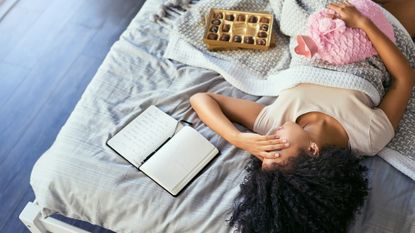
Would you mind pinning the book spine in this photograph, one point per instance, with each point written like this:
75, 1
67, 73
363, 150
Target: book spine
152, 153
195, 171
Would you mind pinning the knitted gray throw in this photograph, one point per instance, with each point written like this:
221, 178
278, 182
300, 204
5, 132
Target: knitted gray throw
269, 72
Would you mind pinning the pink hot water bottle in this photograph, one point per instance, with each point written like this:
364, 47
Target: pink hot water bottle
330, 40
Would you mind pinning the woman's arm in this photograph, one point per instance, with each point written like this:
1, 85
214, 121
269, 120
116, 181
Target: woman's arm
396, 99
218, 112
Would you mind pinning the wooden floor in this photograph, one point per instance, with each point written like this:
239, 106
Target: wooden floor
49, 51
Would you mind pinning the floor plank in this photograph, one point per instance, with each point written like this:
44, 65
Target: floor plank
49, 51
10, 221
45, 31
35, 5
5, 6
33, 93
11, 77
14, 27
90, 13
47, 122
109, 32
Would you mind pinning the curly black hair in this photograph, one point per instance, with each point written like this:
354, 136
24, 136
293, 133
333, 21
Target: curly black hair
317, 194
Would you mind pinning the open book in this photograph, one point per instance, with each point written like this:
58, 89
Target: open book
162, 148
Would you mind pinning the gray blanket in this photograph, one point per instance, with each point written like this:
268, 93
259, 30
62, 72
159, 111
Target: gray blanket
267, 73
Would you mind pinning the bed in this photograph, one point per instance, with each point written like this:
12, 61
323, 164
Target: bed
81, 178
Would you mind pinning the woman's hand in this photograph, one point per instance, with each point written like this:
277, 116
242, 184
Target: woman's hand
349, 14
261, 146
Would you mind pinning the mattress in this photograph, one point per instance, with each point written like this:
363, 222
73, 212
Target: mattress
80, 177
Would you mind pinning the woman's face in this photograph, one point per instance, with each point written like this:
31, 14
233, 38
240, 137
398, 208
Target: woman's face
299, 141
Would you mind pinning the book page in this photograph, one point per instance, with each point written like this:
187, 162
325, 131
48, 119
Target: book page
143, 135
179, 160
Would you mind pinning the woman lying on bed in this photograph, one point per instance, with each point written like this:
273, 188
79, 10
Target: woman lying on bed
306, 143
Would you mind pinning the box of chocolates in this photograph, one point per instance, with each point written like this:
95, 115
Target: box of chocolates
226, 29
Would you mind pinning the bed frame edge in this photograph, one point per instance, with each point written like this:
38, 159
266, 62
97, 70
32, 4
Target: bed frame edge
33, 220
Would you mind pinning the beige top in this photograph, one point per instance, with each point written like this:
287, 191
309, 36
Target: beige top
368, 128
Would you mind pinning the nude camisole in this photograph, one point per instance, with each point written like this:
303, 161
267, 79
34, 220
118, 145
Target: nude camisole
368, 127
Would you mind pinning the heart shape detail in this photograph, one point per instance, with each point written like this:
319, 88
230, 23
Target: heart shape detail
305, 46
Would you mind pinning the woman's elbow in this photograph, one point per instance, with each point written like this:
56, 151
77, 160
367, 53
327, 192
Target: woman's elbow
197, 98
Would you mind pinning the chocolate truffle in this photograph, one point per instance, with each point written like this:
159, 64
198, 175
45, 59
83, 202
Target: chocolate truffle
261, 42
262, 34
214, 29
249, 40
264, 20
237, 38
263, 27
225, 37
216, 22
229, 17
212, 36
218, 15
241, 18
252, 19
226, 28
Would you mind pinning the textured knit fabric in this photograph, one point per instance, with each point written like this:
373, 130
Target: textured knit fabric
368, 128
338, 44
258, 73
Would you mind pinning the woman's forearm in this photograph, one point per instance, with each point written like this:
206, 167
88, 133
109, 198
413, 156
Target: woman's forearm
211, 114
394, 60
218, 112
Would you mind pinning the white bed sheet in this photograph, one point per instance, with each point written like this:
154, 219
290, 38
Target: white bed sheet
80, 177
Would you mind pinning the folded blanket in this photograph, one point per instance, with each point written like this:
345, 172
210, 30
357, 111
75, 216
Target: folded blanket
269, 72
